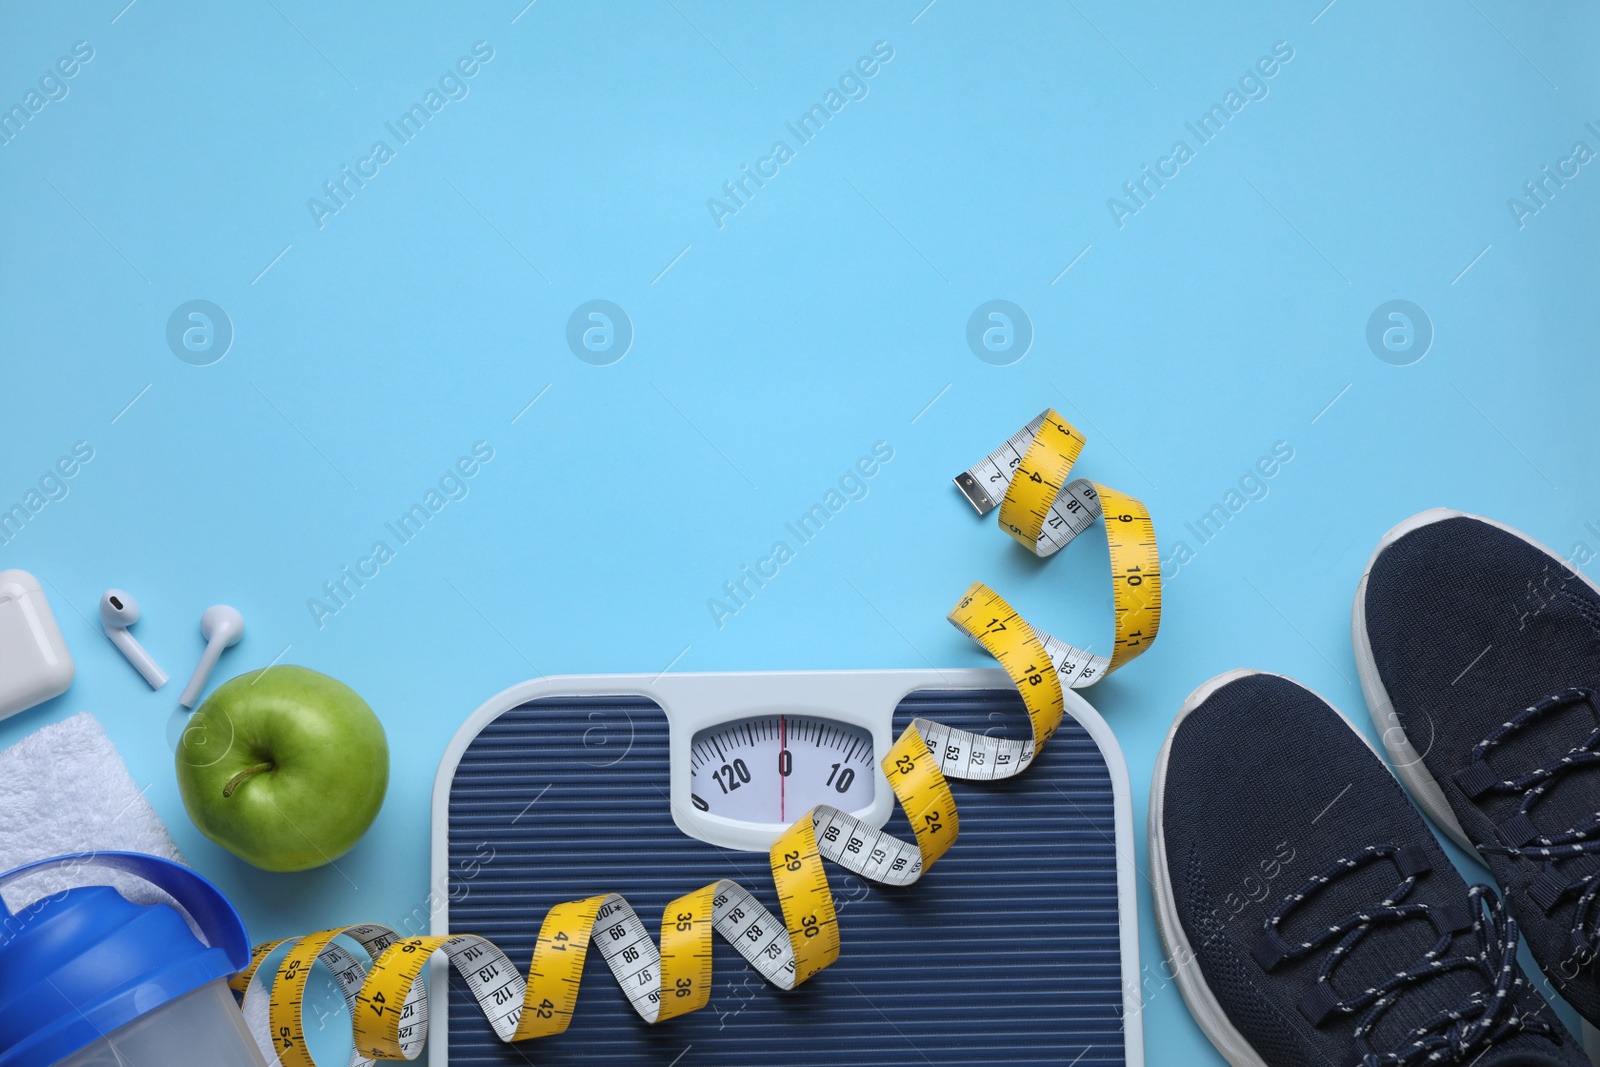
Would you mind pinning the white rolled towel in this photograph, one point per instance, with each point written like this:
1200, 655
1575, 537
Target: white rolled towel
65, 789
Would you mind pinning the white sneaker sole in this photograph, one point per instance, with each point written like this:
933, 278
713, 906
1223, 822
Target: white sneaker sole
1186, 973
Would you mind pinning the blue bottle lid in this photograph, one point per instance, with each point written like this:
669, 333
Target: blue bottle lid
78, 965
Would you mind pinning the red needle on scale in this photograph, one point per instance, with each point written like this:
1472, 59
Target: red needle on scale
783, 746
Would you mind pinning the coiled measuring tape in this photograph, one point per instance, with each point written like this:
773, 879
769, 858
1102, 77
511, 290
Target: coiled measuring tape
1044, 511
388, 1000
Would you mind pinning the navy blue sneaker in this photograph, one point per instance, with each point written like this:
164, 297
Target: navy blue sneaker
1479, 654
1309, 916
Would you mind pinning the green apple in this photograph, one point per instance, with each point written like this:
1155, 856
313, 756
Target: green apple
284, 767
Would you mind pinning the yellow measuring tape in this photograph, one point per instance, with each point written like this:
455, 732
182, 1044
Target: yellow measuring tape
1044, 511
388, 1000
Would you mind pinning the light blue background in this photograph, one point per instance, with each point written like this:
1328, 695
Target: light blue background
1226, 315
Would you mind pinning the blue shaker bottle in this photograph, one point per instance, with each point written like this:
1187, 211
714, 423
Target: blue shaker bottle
90, 979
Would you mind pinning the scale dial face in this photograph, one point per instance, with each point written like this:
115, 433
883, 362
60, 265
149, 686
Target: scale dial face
772, 769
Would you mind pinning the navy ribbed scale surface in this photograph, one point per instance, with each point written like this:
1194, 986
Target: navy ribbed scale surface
1006, 952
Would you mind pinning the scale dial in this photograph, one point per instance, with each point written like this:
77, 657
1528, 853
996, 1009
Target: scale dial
772, 769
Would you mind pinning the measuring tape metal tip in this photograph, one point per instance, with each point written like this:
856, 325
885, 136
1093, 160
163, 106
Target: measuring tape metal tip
972, 489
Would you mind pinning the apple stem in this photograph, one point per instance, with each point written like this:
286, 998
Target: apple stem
248, 772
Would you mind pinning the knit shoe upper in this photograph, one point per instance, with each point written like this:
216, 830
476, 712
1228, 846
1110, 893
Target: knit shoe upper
1487, 647
1308, 910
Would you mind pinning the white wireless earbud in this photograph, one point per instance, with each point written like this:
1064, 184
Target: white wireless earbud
118, 611
222, 627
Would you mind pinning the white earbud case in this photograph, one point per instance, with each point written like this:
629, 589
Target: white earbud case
34, 662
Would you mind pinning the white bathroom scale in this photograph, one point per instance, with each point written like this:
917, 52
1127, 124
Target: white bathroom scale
1020, 946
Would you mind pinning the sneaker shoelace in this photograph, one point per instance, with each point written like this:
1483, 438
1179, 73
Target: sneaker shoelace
1521, 837
1452, 1035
